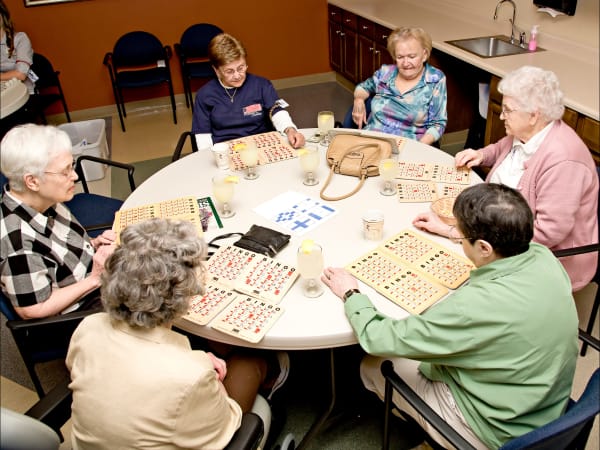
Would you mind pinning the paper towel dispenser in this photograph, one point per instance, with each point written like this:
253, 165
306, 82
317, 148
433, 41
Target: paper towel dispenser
564, 6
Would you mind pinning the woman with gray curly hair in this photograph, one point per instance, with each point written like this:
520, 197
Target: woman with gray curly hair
137, 383
546, 161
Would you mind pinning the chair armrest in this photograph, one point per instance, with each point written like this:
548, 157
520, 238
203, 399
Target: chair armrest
54, 408
248, 435
107, 61
589, 339
168, 51
128, 167
181, 143
50, 321
394, 382
576, 250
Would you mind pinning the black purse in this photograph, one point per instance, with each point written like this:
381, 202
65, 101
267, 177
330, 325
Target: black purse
258, 240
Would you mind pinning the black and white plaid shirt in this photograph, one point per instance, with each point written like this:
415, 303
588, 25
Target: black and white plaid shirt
40, 252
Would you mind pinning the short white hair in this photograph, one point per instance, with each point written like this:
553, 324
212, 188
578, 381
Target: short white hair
535, 90
29, 149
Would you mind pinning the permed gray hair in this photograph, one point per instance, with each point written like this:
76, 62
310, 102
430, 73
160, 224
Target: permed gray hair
534, 90
151, 276
28, 149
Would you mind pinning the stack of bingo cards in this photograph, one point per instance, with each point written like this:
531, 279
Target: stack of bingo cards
242, 294
411, 270
272, 147
425, 182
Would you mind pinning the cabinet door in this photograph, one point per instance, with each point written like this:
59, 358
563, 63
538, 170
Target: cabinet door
349, 54
366, 58
335, 46
494, 128
589, 131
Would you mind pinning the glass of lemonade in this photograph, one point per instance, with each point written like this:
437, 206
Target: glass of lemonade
249, 156
310, 266
325, 123
309, 161
222, 186
388, 169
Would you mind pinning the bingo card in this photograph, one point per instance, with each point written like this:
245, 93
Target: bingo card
183, 208
433, 172
451, 190
247, 318
251, 273
204, 308
417, 192
444, 266
272, 147
398, 282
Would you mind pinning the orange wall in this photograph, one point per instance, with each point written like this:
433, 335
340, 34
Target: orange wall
283, 39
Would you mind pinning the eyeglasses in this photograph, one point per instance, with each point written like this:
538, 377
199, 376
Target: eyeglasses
65, 173
231, 72
507, 111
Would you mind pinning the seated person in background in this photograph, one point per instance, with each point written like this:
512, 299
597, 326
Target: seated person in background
16, 54
544, 159
135, 382
237, 103
48, 262
409, 99
489, 363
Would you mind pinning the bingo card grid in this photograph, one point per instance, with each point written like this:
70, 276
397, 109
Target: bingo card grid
183, 208
417, 192
247, 318
272, 147
204, 308
433, 172
447, 268
397, 282
251, 273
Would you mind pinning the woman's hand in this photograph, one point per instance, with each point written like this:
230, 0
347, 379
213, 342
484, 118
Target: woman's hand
295, 138
359, 112
219, 365
430, 221
469, 158
338, 280
100, 257
108, 237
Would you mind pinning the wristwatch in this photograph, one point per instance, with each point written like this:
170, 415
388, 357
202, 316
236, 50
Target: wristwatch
350, 292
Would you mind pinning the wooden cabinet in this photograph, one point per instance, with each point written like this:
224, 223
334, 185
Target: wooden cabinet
343, 42
587, 128
372, 48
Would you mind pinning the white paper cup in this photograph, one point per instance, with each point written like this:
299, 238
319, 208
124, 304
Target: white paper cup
221, 154
373, 225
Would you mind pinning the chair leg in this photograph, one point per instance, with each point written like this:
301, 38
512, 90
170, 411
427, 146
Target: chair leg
386, 418
186, 88
591, 320
173, 106
120, 107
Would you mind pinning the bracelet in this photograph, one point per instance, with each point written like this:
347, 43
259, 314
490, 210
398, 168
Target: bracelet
350, 292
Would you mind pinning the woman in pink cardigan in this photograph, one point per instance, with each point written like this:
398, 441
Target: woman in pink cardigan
544, 159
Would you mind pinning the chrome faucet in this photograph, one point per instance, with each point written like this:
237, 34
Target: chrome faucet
512, 22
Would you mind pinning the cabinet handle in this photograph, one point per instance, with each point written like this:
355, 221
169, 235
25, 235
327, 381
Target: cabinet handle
337, 31
342, 34
364, 27
384, 36
333, 14
371, 49
377, 52
348, 20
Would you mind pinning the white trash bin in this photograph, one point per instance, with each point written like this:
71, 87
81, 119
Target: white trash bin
88, 137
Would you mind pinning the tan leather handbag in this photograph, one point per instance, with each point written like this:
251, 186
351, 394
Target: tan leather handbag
357, 156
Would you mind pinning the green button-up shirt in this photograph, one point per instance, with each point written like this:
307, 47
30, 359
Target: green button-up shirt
505, 343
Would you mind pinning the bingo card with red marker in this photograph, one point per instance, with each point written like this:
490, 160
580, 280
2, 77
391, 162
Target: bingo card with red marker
272, 147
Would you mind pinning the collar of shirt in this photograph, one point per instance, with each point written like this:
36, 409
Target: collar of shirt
529, 148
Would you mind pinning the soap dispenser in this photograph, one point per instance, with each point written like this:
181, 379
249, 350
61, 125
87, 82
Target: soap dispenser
533, 38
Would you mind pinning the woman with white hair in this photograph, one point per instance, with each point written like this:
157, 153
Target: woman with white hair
544, 159
48, 263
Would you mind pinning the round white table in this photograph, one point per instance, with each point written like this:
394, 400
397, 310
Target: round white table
307, 323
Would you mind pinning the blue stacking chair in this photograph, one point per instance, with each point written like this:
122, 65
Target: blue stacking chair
192, 51
138, 60
570, 431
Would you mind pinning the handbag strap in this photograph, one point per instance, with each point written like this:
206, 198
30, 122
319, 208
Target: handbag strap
361, 181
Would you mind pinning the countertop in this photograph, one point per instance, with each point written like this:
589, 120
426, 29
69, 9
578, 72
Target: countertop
576, 66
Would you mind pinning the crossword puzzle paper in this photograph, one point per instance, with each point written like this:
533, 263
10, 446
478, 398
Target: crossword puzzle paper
184, 208
417, 192
411, 270
433, 172
296, 212
272, 147
251, 273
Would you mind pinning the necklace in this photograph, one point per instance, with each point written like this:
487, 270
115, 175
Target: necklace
229, 95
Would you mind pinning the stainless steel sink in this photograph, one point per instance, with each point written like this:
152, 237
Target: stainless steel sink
490, 46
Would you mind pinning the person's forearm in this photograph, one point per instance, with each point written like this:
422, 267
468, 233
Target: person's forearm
10, 74
60, 299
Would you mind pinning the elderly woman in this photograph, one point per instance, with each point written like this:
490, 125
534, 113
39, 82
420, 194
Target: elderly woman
237, 103
48, 262
409, 98
135, 382
544, 159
